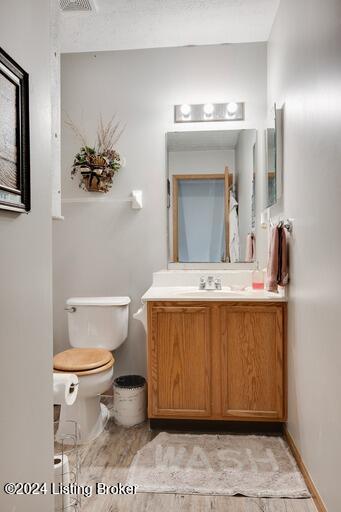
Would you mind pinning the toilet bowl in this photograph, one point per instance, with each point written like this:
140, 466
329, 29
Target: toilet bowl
97, 326
95, 372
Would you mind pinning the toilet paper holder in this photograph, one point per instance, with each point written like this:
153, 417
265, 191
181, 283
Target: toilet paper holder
67, 466
73, 387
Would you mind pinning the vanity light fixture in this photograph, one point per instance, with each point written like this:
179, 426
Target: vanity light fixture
185, 110
208, 112
208, 109
232, 108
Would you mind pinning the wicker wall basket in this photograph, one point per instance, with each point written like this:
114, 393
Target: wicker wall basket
96, 180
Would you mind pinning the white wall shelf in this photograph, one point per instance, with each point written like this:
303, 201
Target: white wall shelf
135, 200
85, 200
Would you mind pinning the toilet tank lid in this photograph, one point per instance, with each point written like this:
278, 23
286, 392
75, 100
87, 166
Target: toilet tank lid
98, 301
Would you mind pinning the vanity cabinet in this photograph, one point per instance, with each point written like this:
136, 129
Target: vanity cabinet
252, 362
180, 369
217, 360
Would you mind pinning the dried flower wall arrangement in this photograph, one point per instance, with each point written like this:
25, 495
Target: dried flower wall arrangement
97, 165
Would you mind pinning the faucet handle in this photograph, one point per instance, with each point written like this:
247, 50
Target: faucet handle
202, 283
217, 283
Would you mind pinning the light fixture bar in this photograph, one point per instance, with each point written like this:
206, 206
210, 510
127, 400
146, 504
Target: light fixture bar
208, 112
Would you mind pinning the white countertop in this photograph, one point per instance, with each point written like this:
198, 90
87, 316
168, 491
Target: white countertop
192, 293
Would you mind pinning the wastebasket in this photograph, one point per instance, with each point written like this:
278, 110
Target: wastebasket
129, 400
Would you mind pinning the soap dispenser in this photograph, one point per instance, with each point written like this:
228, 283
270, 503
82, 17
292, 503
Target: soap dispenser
258, 279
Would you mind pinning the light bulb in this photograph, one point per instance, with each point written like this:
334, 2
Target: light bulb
232, 108
208, 109
185, 110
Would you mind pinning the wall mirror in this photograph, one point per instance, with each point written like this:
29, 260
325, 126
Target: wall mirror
211, 196
274, 150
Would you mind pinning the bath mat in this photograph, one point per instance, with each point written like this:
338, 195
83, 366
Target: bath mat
253, 466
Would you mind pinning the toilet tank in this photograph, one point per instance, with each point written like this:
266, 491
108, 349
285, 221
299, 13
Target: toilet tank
97, 322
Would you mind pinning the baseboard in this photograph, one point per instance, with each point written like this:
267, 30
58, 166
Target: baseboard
310, 484
217, 426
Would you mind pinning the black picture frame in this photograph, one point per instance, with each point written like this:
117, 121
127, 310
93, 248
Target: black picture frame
15, 189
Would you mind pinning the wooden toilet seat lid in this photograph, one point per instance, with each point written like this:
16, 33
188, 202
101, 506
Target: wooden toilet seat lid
82, 359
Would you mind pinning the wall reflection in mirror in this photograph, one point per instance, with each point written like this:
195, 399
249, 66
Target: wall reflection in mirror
271, 167
211, 196
274, 158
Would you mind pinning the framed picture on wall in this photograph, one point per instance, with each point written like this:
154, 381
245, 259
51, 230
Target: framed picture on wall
14, 137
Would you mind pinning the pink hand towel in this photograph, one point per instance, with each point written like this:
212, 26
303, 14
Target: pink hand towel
277, 269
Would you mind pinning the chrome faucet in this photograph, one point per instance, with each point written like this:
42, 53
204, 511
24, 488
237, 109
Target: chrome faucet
210, 284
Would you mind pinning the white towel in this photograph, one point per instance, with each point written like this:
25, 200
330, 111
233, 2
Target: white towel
234, 230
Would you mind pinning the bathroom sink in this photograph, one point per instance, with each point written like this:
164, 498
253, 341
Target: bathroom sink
184, 286
191, 293
205, 294
225, 294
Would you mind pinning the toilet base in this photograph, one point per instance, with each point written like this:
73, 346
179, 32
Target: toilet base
91, 417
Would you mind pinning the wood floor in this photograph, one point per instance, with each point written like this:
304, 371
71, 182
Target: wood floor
108, 459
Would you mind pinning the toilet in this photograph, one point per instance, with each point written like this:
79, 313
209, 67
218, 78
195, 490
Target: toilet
97, 326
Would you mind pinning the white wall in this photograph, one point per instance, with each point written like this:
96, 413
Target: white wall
244, 170
305, 74
208, 161
109, 249
25, 262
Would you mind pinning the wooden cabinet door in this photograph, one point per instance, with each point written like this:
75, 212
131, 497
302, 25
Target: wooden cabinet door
252, 352
179, 361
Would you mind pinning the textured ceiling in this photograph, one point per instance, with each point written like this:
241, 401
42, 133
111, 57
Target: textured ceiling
132, 24
203, 141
